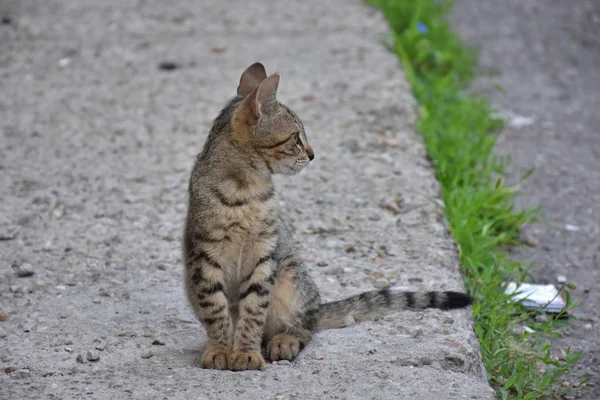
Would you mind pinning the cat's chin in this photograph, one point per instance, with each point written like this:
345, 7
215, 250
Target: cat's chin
287, 170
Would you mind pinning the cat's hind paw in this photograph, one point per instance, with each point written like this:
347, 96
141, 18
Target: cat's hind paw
283, 347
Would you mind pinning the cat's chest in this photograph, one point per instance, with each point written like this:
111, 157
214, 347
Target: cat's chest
246, 222
250, 234
241, 255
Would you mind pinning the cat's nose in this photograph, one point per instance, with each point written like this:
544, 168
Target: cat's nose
310, 153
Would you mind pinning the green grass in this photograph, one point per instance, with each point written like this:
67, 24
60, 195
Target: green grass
460, 132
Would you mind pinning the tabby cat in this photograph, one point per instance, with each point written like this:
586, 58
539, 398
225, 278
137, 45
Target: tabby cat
243, 277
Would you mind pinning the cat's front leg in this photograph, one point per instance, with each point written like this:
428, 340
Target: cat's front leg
255, 297
206, 284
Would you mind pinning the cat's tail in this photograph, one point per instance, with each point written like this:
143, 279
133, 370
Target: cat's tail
339, 314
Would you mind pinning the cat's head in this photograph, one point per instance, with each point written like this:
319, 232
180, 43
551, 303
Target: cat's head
268, 127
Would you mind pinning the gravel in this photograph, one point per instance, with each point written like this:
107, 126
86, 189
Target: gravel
90, 123
24, 270
92, 356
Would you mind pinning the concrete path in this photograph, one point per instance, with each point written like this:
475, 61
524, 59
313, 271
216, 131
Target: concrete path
97, 146
547, 54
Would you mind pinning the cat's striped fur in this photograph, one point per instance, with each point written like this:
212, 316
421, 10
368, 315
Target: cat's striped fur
243, 276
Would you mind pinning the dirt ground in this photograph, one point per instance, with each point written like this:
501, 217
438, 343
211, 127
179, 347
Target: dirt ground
104, 105
547, 55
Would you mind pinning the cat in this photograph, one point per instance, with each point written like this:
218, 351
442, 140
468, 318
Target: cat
243, 276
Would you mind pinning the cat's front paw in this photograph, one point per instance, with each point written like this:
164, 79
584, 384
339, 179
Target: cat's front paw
245, 360
215, 357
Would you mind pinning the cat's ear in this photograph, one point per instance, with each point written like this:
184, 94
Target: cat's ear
266, 95
262, 100
251, 78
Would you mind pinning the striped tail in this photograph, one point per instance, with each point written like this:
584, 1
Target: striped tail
339, 314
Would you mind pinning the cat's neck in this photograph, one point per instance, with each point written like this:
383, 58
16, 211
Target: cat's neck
245, 169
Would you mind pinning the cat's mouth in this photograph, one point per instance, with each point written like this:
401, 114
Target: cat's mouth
296, 167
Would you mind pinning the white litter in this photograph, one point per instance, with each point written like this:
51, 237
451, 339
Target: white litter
540, 297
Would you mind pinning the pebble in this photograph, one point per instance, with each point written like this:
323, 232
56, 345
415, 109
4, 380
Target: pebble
562, 355
93, 356
517, 330
382, 375
530, 241
392, 250
59, 211
381, 283
219, 48
541, 318
284, 362
9, 233
158, 343
426, 360
17, 289
392, 208
100, 347
333, 271
168, 66
278, 397
47, 246
587, 327
79, 358
561, 279
519, 121
8, 370
319, 357
147, 354
317, 227
416, 333
334, 243
3, 333
352, 145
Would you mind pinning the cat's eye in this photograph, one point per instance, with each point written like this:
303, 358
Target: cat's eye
297, 138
